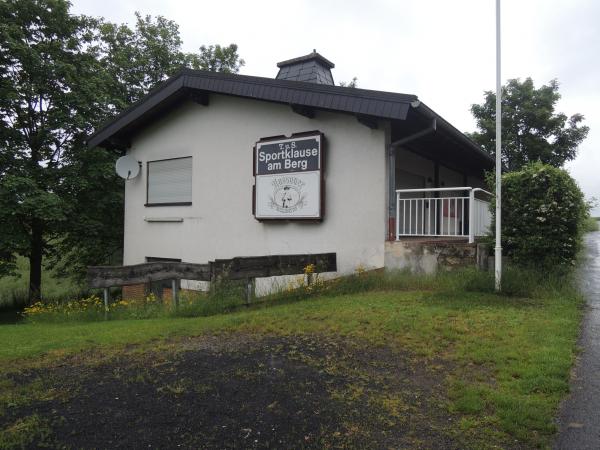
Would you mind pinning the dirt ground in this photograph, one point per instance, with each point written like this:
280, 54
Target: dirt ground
233, 391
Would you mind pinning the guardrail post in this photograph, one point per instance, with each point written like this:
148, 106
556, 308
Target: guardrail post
106, 292
249, 290
471, 216
175, 293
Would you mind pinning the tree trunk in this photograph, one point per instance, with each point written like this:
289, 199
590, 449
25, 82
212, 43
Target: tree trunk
35, 261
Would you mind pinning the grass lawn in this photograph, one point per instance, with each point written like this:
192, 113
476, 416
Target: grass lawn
500, 364
13, 289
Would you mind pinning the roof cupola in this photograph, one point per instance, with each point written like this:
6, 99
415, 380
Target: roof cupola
312, 68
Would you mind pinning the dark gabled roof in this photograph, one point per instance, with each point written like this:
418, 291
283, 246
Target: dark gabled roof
304, 98
386, 105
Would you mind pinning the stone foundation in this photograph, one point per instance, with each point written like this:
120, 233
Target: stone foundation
433, 255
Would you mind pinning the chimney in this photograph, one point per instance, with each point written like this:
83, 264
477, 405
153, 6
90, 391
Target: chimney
312, 68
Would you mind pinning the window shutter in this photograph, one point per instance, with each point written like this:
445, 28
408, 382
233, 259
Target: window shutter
170, 181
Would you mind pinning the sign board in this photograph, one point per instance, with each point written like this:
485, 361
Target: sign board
289, 177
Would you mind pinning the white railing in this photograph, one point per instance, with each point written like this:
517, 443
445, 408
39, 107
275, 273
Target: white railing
433, 212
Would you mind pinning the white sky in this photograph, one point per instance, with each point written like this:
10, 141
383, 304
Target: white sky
443, 51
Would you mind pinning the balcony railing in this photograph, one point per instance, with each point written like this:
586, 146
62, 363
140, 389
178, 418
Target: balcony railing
443, 212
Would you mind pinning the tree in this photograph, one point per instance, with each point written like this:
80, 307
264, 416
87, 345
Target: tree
134, 62
531, 129
60, 76
47, 79
350, 84
216, 59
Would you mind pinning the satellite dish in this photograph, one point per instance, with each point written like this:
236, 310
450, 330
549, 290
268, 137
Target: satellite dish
127, 167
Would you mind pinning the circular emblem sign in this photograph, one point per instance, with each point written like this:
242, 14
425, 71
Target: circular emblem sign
287, 194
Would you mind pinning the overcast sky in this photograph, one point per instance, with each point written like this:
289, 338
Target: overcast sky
443, 51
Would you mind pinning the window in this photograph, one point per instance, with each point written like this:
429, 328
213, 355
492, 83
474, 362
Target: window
170, 182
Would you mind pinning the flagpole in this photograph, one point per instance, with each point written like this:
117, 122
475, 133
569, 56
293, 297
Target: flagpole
498, 249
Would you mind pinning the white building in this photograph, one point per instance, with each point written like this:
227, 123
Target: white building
206, 190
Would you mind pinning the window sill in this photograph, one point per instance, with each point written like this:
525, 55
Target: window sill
163, 219
168, 204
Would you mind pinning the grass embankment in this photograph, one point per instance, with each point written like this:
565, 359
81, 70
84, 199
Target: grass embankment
13, 289
591, 224
505, 359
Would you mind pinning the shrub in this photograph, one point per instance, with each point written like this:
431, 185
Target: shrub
543, 214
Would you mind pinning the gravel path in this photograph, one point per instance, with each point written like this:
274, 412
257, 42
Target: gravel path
579, 419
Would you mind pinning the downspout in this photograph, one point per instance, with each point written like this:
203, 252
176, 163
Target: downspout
392, 169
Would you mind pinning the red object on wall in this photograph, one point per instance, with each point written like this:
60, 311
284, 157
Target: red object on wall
448, 207
392, 229
134, 292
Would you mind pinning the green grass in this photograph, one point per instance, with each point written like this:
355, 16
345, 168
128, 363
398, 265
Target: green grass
508, 356
13, 289
591, 224
25, 432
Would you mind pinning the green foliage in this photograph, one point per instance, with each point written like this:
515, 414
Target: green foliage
137, 60
531, 130
225, 298
228, 296
216, 59
28, 431
351, 84
543, 211
61, 75
13, 289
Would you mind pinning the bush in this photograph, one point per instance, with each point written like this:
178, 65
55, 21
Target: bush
543, 215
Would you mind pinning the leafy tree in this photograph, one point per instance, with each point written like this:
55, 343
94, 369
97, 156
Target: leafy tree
140, 58
60, 76
216, 59
350, 84
134, 61
531, 129
47, 81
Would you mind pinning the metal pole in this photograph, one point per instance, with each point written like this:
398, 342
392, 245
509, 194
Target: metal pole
498, 249
471, 216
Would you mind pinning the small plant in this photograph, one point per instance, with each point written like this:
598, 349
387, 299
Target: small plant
360, 269
309, 269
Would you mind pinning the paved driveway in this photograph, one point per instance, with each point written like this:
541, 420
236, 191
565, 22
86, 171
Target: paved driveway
579, 420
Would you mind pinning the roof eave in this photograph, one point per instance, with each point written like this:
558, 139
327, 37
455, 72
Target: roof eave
386, 105
422, 108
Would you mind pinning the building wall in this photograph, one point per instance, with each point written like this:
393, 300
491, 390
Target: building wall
409, 163
220, 223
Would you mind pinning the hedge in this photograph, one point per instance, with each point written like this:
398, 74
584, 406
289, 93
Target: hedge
543, 215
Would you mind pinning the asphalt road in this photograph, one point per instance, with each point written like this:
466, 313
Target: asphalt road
579, 419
